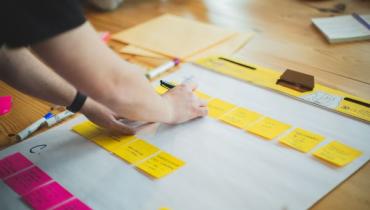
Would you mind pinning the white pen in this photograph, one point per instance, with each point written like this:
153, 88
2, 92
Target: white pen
59, 117
33, 127
161, 69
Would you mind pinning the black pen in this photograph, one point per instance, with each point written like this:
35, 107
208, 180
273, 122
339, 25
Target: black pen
167, 85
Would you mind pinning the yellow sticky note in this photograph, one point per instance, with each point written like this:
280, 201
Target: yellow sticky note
164, 208
337, 153
354, 109
135, 151
218, 107
202, 95
87, 129
160, 165
302, 140
110, 142
268, 128
161, 90
240, 117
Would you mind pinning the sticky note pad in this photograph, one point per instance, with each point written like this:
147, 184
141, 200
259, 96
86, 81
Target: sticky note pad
12, 164
161, 90
357, 110
218, 107
47, 196
337, 153
27, 180
5, 104
87, 129
240, 117
109, 142
135, 151
202, 95
302, 140
160, 165
74, 204
268, 128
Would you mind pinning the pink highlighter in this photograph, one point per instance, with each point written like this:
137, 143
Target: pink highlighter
5, 104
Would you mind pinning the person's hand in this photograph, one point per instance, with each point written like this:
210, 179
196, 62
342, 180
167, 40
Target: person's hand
183, 104
104, 117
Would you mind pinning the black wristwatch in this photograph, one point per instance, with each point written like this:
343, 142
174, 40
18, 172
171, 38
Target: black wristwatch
77, 103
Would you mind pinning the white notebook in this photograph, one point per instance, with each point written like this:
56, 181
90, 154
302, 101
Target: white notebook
344, 28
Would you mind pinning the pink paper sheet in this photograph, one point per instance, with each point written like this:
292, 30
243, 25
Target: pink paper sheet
5, 104
27, 180
12, 164
74, 204
47, 196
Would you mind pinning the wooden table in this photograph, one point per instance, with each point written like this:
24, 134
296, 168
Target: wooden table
284, 38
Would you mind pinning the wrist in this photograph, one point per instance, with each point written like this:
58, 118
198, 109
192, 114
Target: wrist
87, 107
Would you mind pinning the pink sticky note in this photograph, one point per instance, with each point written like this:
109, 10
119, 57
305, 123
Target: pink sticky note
47, 196
27, 180
5, 104
74, 204
12, 164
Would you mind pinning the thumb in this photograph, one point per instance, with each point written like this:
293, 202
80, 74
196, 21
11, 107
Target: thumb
120, 128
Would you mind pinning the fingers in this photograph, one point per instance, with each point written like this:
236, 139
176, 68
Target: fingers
120, 128
192, 86
201, 111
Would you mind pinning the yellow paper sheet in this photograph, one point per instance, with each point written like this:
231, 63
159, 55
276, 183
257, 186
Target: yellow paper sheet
337, 153
161, 90
226, 48
240, 117
354, 109
268, 128
160, 165
173, 36
302, 140
135, 151
110, 142
133, 50
202, 95
87, 129
218, 107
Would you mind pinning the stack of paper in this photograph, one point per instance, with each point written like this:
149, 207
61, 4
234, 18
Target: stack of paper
169, 36
344, 28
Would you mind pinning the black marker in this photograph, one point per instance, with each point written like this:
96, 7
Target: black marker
237, 63
357, 102
167, 85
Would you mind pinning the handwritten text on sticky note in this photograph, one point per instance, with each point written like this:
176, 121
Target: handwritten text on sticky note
27, 180
240, 117
160, 165
136, 151
302, 140
268, 128
47, 196
12, 164
337, 153
110, 142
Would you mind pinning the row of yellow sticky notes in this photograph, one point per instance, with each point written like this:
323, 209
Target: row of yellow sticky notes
133, 150
302, 140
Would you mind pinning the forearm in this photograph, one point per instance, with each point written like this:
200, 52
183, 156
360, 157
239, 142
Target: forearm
23, 71
81, 58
